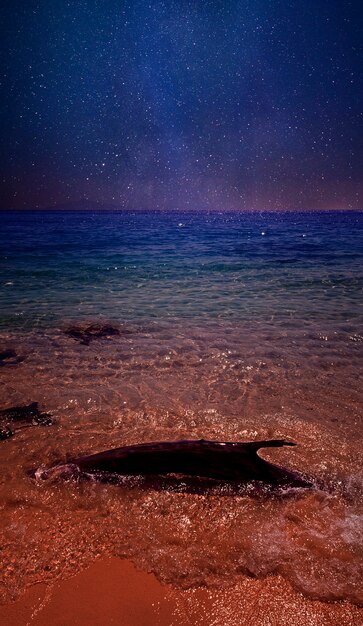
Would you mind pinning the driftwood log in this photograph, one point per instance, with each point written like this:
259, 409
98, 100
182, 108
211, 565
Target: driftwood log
226, 461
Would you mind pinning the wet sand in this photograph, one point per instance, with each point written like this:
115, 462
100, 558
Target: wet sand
69, 549
112, 591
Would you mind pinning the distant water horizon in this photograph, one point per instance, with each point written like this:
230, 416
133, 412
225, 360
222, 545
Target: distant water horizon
94, 206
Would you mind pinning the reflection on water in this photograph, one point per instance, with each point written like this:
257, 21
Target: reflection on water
225, 333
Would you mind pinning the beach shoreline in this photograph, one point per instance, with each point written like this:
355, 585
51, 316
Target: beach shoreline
113, 591
226, 328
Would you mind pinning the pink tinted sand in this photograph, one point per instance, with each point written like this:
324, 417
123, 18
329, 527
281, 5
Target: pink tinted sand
112, 591
220, 559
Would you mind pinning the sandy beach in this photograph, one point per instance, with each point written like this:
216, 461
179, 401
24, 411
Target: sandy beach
113, 591
68, 547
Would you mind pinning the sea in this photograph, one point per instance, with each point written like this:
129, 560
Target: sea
231, 326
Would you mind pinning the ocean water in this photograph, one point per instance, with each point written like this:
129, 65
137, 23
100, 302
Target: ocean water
151, 265
233, 327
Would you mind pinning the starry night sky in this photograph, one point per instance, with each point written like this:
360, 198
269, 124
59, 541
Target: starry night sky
189, 104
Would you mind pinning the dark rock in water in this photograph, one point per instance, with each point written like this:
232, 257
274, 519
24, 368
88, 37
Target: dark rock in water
10, 357
6, 355
25, 416
223, 461
87, 333
5, 433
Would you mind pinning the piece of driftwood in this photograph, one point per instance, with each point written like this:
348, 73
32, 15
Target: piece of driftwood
26, 415
226, 461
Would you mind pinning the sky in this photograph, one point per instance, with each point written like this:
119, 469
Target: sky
189, 104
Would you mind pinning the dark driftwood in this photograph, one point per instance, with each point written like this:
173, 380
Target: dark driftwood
227, 461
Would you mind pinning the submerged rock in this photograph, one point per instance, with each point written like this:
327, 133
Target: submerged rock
27, 413
5, 433
85, 333
25, 416
10, 357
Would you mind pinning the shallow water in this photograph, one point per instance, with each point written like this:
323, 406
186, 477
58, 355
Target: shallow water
225, 340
